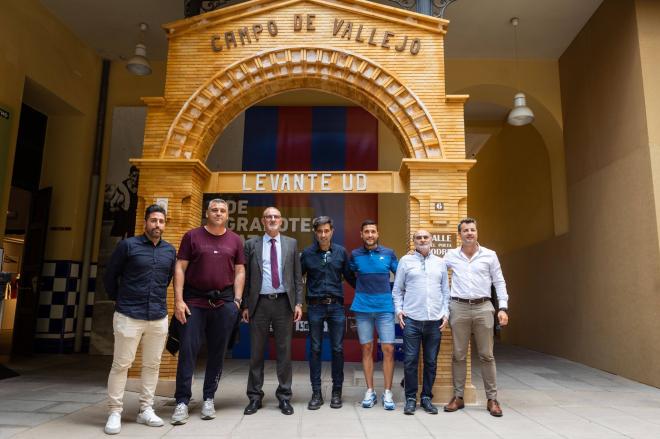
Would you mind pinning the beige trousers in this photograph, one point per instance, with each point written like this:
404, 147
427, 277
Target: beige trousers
128, 334
466, 320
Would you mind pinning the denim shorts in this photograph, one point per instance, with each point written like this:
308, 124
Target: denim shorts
383, 322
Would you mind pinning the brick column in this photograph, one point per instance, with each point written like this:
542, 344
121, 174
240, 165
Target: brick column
437, 201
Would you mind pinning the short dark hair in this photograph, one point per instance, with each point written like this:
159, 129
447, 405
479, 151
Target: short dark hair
368, 222
154, 208
322, 220
466, 221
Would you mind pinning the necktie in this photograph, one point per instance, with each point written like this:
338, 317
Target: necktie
274, 268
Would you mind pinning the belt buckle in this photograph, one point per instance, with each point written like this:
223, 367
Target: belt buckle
273, 296
326, 301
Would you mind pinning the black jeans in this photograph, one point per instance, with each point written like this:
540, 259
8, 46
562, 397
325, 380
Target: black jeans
336, 318
427, 333
216, 325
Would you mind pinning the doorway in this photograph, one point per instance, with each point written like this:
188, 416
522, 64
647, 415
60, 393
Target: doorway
24, 238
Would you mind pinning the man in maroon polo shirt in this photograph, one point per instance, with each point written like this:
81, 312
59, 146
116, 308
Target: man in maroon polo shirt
208, 289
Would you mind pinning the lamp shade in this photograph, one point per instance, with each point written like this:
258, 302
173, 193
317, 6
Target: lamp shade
139, 64
521, 113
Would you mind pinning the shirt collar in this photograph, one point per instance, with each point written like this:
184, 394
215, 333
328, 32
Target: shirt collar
420, 256
317, 247
267, 238
478, 252
145, 240
377, 249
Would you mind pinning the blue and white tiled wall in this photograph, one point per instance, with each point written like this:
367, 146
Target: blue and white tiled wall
58, 307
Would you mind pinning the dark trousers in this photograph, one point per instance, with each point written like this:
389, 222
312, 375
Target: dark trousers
427, 333
216, 325
336, 318
278, 313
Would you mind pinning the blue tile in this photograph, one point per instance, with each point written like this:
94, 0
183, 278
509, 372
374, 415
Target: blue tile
62, 268
43, 311
72, 284
59, 298
47, 283
55, 326
69, 311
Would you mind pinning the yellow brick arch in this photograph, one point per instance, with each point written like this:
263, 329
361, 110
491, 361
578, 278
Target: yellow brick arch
221, 98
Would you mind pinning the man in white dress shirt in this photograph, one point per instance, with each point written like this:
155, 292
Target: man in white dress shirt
421, 296
474, 269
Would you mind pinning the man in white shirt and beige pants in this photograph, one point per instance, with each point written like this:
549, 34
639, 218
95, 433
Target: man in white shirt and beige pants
475, 268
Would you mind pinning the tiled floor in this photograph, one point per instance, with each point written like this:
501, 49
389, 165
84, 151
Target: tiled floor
542, 397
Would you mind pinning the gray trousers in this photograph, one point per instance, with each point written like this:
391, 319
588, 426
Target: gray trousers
465, 320
277, 313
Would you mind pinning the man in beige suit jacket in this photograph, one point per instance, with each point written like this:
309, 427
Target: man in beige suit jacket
273, 296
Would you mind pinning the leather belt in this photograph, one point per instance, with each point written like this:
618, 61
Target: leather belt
328, 300
471, 301
272, 296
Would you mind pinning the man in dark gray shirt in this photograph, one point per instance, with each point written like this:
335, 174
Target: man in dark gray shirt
137, 276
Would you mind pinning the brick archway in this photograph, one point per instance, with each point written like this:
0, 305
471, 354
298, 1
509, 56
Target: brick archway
221, 98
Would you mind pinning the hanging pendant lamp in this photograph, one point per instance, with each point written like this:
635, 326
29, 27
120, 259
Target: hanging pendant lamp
139, 64
521, 113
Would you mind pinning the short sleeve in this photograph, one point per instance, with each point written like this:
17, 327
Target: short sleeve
185, 249
239, 251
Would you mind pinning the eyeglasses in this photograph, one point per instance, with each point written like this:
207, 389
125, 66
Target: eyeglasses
325, 258
272, 216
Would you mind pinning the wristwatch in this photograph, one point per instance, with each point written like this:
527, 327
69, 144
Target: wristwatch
506, 310
238, 301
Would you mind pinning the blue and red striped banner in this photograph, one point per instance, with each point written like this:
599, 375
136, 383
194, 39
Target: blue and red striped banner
312, 139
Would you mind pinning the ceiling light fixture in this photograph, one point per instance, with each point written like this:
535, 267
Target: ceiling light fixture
139, 64
521, 113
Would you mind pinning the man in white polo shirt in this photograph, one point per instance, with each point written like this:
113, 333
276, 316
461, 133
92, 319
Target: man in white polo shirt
475, 268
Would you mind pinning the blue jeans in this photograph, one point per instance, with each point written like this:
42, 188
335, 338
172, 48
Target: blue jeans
383, 322
336, 318
427, 333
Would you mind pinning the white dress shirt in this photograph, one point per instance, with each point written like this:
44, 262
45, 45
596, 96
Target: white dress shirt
472, 278
421, 287
266, 278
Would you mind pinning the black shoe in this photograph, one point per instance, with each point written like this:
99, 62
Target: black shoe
335, 401
285, 407
316, 402
428, 406
252, 407
411, 406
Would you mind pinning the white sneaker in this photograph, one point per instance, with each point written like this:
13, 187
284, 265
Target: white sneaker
180, 415
388, 402
148, 417
208, 409
113, 426
370, 399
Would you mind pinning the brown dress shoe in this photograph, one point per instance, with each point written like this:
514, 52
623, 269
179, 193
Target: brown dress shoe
494, 408
456, 403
